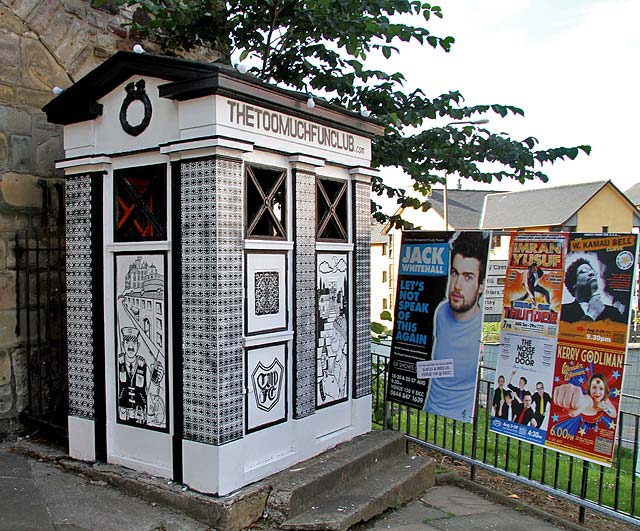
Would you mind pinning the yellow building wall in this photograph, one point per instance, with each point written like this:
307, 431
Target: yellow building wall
605, 209
536, 229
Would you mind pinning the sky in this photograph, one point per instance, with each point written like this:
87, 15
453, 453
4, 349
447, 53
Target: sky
571, 65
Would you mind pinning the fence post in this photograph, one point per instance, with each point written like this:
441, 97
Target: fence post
582, 514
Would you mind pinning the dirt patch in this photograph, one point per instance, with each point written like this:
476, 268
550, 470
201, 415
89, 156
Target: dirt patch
528, 495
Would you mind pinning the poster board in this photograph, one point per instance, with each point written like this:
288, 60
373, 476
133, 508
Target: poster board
438, 322
567, 349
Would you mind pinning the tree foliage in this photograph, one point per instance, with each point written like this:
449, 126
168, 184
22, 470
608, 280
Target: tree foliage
322, 46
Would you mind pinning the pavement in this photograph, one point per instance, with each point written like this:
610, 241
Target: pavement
37, 494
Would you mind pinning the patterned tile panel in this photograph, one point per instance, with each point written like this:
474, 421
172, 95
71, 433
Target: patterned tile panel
79, 300
362, 193
212, 298
305, 295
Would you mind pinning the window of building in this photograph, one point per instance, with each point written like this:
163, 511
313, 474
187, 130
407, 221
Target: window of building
605, 228
385, 304
158, 308
140, 204
331, 210
266, 192
384, 249
384, 276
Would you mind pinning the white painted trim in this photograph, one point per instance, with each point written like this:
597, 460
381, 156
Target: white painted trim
306, 160
189, 145
163, 245
329, 246
263, 339
142, 466
268, 245
84, 161
200, 468
82, 438
361, 170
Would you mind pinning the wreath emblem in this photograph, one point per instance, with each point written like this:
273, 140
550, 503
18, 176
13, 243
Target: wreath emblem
135, 92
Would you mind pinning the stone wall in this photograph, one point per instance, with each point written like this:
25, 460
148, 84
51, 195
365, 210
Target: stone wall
43, 44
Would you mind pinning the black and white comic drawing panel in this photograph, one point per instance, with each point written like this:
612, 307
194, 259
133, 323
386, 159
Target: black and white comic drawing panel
332, 347
141, 364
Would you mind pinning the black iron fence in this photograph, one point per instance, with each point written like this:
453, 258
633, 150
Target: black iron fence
609, 490
41, 326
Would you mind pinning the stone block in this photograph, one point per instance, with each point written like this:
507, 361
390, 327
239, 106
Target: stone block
10, 74
42, 15
85, 56
33, 98
20, 374
7, 94
117, 29
7, 293
6, 399
9, 49
14, 119
75, 40
4, 250
41, 123
5, 368
4, 151
10, 221
42, 71
20, 153
8, 321
11, 23
76, 7
25, 8
18, 190
48, 149
84, 65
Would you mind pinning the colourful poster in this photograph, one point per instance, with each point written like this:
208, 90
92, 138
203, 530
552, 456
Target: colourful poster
438, 322
563, 341
533, 284
592, 338
531, 308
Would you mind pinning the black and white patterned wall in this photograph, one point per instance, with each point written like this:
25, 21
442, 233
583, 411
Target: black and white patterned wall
79, 300
362, 194
212, 297
305, 290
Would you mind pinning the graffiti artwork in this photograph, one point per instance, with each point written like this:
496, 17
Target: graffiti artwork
140, 333
332, 348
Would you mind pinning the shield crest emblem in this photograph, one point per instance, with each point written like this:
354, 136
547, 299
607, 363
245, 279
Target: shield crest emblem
267, 384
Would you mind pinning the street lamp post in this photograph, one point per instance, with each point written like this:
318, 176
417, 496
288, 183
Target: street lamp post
446, 191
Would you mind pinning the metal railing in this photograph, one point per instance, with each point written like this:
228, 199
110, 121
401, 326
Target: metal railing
609, 490
41, 325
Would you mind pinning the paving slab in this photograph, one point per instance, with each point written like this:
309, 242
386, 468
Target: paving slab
457, 501
411, 517
503, 520
93, 506
40, 496
451, 508
21, 505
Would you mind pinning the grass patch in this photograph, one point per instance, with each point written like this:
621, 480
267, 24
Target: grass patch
613, 487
